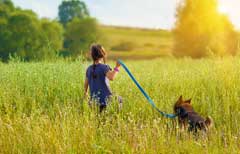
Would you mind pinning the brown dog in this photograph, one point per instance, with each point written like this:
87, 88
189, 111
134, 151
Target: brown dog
187, 116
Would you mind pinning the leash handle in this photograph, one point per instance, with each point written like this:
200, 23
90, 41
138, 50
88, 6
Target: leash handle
150, 101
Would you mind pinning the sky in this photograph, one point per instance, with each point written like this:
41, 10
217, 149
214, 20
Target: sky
134, 13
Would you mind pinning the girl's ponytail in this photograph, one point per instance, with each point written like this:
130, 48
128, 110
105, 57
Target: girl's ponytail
94, 75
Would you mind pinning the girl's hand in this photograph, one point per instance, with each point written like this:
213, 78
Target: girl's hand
118, 64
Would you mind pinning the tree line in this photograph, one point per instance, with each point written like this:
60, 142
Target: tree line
200, 30
25, 35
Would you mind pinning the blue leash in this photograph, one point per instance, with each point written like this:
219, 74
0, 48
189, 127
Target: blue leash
144, 93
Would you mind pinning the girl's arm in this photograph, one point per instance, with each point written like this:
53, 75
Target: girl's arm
86, 88
112, 74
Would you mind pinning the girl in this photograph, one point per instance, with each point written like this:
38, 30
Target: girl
97, 77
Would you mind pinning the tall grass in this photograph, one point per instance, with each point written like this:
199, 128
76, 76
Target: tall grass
42, 110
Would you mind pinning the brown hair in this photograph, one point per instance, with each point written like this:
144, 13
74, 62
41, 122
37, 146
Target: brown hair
97, 52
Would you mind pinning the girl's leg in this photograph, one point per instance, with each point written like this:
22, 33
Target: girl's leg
108, 100
102, 108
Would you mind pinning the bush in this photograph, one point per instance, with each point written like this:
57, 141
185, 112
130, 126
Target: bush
124, 46
80, 34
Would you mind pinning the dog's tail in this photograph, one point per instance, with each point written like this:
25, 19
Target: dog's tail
209, 122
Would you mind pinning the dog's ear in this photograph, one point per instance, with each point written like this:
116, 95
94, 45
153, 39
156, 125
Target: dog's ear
188, 101
180, 99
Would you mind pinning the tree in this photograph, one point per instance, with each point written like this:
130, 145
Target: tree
52, 38
200, 29
72, 9
6, 7
24, 35
80, 33
7, 3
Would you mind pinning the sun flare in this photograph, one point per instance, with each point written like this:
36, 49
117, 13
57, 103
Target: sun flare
231, 9
223, 9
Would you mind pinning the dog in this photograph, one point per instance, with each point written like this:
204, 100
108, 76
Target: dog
187, 116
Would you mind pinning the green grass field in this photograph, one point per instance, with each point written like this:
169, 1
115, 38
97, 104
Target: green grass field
135, 43
42, 111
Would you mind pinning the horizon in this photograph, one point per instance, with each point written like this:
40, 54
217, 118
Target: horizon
154, 14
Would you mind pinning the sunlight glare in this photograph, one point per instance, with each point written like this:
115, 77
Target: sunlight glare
222, 9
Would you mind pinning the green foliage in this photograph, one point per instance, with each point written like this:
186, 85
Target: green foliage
26, 36
80, 34
7, 3
71, 9
200, 29
6, 6
80, 29
23, 34
52, 37
42, 110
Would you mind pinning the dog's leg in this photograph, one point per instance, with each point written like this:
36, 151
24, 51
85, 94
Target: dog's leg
181, 124
185, 124
190, 128
203, 126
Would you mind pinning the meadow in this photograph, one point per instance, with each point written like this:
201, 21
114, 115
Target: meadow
136, 43
42, 109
